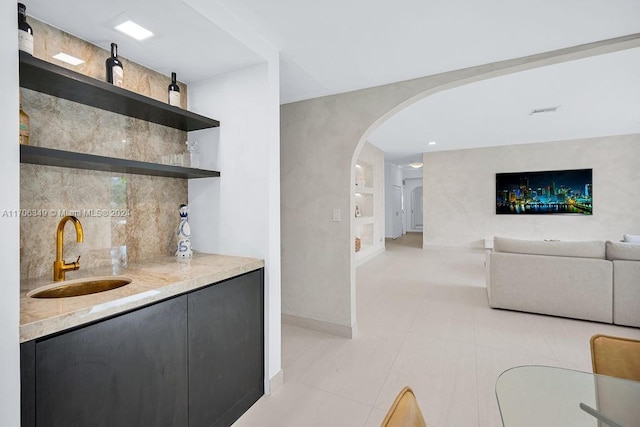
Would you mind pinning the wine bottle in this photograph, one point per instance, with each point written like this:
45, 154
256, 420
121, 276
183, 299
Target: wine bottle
174, 91
115, 72
24, 126
25, 32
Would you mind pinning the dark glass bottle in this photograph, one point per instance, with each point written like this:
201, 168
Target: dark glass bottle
25, 32
115, 71
174, 91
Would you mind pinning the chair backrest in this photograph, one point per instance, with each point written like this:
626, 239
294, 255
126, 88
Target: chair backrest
404, 411
616, 357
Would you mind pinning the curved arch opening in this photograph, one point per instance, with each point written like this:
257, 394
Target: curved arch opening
511, 75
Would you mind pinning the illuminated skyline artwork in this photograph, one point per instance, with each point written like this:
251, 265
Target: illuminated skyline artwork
545, 192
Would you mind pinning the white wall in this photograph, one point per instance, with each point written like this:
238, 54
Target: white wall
392, 177
9, 227
238, 213
459, 192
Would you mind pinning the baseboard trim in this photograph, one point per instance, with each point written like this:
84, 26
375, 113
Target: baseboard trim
320, 326
274, 383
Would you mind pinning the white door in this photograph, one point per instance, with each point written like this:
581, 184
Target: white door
397, 212
416, 208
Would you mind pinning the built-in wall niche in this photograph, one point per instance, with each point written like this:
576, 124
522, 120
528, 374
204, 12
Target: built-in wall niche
364, 218
365, 233
364, 175
368, 200
364, 204
89, 139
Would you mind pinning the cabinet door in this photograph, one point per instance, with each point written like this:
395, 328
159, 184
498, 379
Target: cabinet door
130, 370
28, 384
226, 368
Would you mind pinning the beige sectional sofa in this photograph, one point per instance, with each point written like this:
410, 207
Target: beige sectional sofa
590, 280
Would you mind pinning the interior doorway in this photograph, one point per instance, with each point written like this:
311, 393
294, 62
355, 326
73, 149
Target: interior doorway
414, 217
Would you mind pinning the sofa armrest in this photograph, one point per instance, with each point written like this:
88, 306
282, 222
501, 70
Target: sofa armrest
626, 293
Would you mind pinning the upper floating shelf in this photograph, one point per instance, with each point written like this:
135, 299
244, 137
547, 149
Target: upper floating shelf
42, 76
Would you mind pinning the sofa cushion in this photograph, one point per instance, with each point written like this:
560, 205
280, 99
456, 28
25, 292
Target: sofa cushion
590, 249
575, 287
623, 251
632, 238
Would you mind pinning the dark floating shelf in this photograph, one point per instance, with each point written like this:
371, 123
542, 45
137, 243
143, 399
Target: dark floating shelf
67, 159
45, 77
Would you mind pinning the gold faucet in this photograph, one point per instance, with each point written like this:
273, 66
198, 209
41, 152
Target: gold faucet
59, 266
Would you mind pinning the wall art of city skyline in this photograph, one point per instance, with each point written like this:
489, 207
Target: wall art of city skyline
545, 192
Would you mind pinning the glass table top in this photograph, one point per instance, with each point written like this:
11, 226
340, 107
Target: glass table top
550, 396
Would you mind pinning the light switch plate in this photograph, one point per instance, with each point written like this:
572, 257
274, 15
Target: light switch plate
336, 215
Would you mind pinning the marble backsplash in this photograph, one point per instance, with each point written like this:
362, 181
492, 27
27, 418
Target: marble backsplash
66, 125
125, 217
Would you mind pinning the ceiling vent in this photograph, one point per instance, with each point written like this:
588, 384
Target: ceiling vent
544, 110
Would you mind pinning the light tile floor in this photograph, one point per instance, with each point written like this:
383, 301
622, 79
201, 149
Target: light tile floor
424, 321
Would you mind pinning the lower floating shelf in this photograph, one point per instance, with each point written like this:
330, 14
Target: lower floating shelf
68, 159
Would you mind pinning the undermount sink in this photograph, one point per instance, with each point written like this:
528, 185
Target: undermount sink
78, 287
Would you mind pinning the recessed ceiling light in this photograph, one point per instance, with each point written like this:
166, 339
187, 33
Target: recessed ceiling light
134, 30
432, 143
68, 59
415, 165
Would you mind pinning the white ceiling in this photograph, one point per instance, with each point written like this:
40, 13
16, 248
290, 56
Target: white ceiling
335, 46
596, 96
184, 41
353, 44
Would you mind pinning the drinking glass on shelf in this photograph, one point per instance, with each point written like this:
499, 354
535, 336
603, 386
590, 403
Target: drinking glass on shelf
194, 155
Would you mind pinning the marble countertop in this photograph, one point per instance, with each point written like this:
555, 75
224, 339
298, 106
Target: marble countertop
152, 280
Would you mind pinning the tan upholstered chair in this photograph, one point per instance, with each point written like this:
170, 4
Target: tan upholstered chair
404, 412
616, 357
